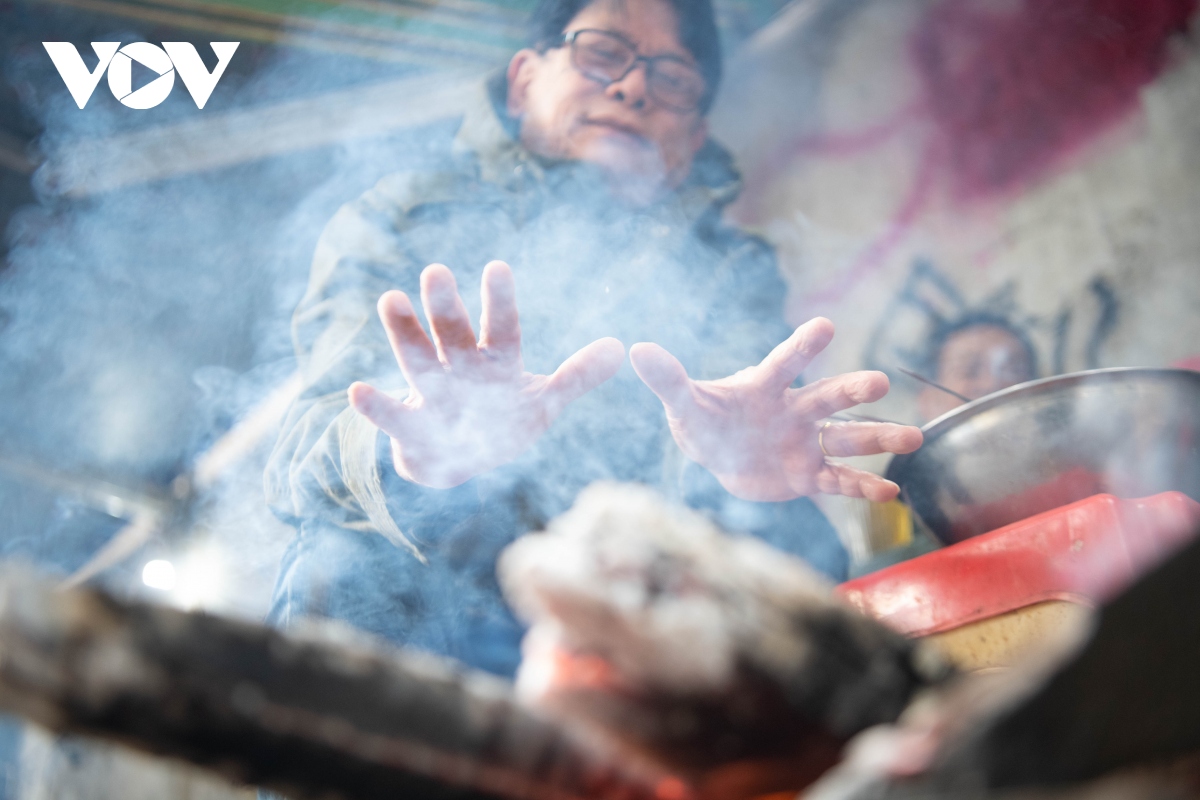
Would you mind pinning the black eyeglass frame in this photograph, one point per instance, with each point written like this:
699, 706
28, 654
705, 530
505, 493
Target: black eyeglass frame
568, 39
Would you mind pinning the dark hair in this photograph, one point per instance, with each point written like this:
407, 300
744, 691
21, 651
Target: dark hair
974, 319
697, 32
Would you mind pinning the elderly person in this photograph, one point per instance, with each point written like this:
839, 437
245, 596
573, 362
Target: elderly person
583, 191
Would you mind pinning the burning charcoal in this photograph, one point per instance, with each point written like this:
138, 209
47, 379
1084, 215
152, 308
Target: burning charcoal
309, 716
696, 649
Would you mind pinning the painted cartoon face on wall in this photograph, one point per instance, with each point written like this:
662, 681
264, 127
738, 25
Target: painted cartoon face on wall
974, 362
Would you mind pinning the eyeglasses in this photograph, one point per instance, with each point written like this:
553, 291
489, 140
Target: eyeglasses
607, 57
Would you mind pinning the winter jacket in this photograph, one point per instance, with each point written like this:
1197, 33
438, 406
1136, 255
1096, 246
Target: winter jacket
417, 565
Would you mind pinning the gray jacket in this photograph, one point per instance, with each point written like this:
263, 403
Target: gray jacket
417, 565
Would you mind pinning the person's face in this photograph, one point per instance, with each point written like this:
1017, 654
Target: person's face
974, 362
644, 147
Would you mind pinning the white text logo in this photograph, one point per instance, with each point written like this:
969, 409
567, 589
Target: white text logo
164, 61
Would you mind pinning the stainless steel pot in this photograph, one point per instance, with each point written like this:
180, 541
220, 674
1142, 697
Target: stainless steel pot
1130, 432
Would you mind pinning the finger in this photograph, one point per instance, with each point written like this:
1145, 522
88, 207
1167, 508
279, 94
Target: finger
785, 363
499, 326
877, 489
831, 395
845, 439
839, 479
385, 412
851, 482
663, 374
582, 372
448, 320
414, 352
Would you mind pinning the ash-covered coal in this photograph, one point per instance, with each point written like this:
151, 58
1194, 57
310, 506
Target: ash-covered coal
698, 648
310, 715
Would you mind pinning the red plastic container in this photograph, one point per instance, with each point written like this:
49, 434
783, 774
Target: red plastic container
1083, 552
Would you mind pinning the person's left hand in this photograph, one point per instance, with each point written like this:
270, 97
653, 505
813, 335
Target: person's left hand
759, 436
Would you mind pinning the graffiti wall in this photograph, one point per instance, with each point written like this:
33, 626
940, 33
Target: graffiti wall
1031, 162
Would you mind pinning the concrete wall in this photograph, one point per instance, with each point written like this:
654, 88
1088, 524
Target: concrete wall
1098, 257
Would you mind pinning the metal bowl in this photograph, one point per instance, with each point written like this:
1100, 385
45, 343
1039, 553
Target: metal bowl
1130, 432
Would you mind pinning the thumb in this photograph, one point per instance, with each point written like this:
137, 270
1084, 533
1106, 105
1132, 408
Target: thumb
385, 412
663, 374
582, 372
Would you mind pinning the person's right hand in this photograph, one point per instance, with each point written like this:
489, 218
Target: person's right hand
471, 405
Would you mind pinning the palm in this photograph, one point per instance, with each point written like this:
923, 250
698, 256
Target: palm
751, 460
471, 405
440, 440
761, 438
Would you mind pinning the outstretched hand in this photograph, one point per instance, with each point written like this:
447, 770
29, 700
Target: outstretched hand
471, 405
759, 436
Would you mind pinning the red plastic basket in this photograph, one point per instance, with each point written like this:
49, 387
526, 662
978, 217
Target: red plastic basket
1083, 552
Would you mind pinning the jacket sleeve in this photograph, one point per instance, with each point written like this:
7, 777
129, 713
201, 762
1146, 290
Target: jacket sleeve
326, 465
